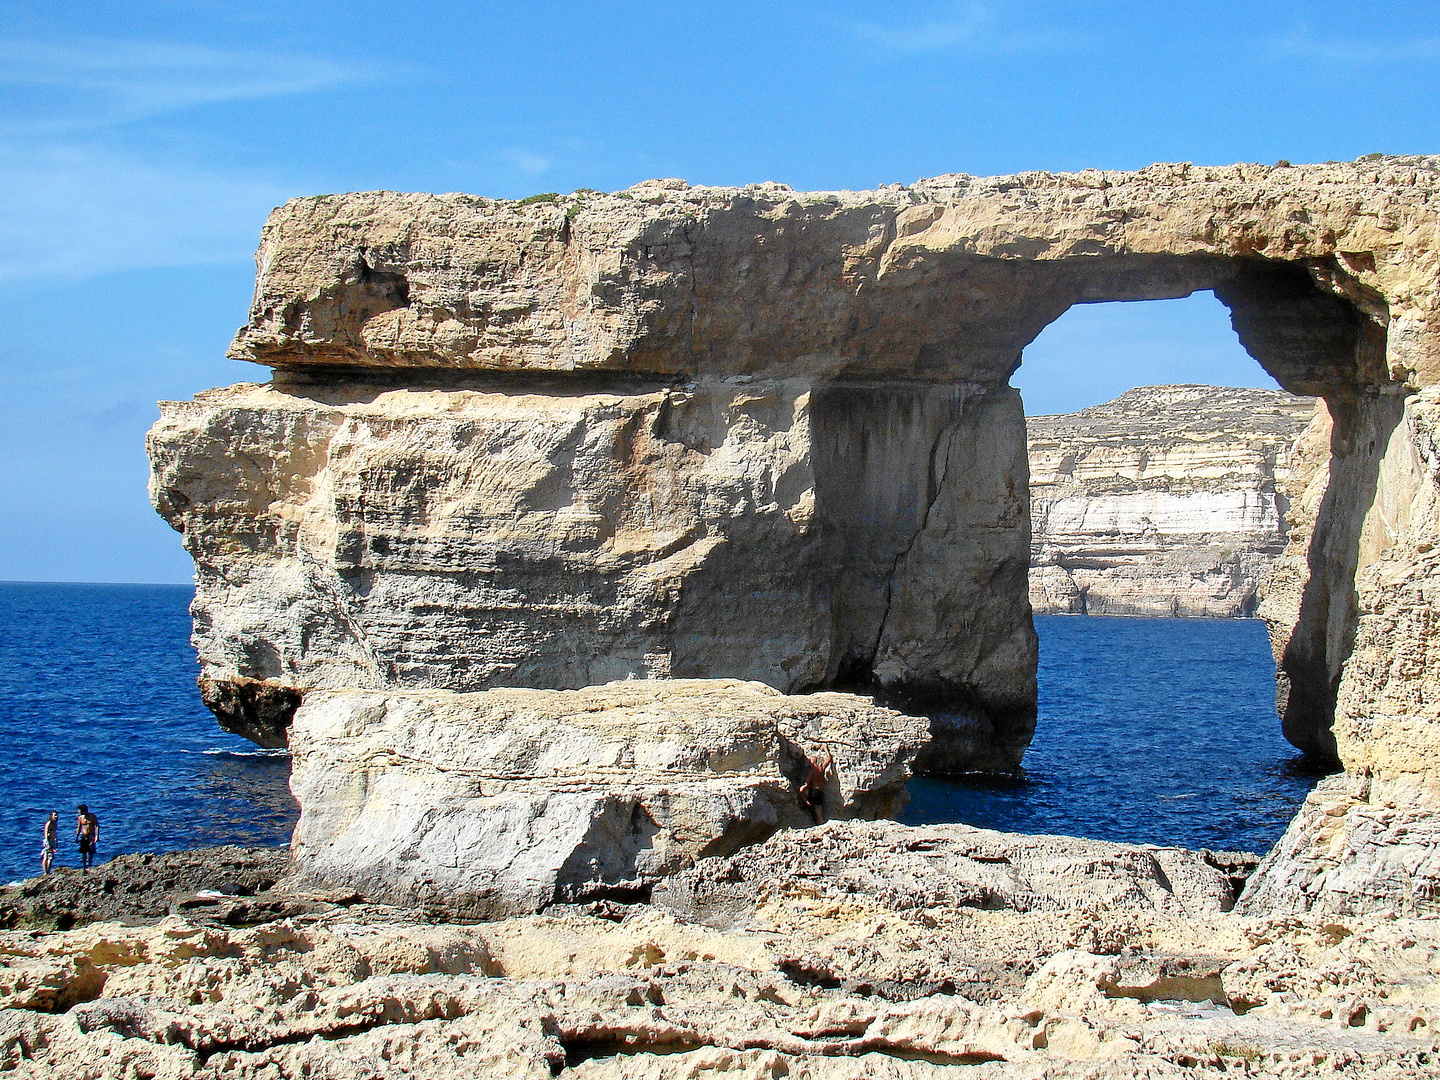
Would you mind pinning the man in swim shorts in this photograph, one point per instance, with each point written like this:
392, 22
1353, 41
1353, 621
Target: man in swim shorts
87, 835
47, 846
812, 791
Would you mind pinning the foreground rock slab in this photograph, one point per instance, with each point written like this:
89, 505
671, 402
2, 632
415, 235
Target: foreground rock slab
914, 868
505, 802
823, 983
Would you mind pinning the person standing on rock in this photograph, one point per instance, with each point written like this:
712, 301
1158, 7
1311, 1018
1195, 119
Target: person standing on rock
48, 845
812, 791
87, 835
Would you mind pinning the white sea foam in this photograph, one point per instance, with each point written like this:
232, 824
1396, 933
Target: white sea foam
220, 751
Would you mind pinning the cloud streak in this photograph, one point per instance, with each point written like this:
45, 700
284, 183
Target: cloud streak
73, 211
78, 197
970, 27
1354, 51
90, 84
526, 162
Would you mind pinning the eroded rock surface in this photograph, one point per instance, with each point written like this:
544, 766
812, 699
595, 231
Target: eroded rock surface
944, 280
916, 867
508, 801
821, 982
561, 536
1169, 500
1369, 840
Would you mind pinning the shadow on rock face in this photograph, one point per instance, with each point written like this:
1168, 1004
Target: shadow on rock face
255, 709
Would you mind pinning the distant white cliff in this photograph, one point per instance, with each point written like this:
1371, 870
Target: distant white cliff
1168, 500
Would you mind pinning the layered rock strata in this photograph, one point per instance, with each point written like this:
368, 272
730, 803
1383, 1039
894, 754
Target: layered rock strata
689, 328
562, 535
1169, 500
1371, 840
508, 801
1114, 977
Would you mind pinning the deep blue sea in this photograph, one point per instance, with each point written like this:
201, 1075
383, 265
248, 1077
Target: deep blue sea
1159, 731
1151, 730
98, 705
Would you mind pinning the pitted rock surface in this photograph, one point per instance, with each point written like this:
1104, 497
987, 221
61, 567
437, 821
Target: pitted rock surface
508, 801
820, 984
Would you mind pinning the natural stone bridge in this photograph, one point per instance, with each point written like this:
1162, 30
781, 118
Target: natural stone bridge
762, 434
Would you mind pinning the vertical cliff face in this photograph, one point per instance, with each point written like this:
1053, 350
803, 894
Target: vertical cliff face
1169, 500
560, 535
768, 434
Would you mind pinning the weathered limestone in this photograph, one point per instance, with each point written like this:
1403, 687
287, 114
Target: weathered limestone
508, 801
564, 536
822, 982
877, 331
954, 866
1371, 840
670, 279
1169, 500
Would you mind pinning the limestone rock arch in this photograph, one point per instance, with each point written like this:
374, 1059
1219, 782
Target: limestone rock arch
758, 433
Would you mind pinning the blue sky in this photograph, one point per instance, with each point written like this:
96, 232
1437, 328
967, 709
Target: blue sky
142, 143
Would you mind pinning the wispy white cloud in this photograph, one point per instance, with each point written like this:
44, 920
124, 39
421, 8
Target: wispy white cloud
526, 161
1358, 51
961, 27
73, 211
78, 196
85, 84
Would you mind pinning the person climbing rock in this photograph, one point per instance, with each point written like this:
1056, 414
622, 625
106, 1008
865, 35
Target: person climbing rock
51, 839
812, 791
87, 835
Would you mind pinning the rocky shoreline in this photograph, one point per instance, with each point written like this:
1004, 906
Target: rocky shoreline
855, 949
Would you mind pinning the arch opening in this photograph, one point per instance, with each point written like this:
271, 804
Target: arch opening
1171, 720
913, 477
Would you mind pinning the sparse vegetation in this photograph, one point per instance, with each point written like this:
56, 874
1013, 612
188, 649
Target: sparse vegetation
1242, 1051
579, 195
543, 197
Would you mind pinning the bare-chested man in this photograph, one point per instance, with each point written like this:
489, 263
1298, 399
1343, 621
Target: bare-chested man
812, 791
87, 835
48, 844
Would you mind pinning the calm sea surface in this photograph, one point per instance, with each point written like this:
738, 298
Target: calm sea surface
98, 705
1157, 730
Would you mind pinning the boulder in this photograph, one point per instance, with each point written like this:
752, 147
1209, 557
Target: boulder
504, 802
